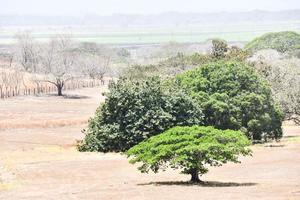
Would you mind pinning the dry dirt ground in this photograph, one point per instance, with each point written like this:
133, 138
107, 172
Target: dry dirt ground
38, 160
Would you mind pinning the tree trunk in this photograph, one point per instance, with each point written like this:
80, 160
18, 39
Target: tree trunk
59, 90
195, 176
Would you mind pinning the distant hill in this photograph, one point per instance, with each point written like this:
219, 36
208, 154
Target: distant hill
172, 19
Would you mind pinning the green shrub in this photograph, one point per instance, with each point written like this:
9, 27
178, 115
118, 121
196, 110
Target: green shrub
141, 71
136, 110
190, 149
219, 48
281, 41
236, 54
233, 96
197, 59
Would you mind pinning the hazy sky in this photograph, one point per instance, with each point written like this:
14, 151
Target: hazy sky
108, 7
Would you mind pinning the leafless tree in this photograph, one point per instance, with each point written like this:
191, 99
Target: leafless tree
2, 82
95, 60
57, 62
283, 74
95, 66
10, 81
7, 58
27, 52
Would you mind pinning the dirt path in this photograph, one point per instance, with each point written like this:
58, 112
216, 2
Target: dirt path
38, 160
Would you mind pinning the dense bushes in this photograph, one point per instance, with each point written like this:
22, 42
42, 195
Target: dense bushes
190, 149
281, 41
226, 95
233, 96
136, 110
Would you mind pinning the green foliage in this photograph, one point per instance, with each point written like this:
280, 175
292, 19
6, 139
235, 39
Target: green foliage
281, 41
138, 72
168, 67
197, 59
219, 48
136, 110
236, 54
233, 96
190, 149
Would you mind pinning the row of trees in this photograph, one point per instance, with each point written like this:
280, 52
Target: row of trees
10, 80
56, 61
179, 62
61, 59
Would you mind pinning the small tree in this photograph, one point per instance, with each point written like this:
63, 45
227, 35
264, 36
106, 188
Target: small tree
27, 52
219, 48
57, 62
190, 149
95, 66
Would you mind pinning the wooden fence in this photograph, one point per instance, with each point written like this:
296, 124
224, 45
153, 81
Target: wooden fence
47, 88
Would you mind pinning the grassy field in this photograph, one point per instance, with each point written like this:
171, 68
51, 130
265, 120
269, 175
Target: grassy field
38, 160
137, 35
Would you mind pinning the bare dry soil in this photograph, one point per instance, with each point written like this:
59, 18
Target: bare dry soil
38, 160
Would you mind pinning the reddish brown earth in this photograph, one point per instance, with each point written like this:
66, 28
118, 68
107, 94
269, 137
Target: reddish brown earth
38, 160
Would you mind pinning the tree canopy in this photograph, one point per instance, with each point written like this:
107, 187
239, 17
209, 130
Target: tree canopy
233, 96
190, 149
280, 41
135, 110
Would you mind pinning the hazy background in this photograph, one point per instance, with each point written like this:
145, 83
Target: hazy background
147, 22
108, 7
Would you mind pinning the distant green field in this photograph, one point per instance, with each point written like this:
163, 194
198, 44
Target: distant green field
199, 33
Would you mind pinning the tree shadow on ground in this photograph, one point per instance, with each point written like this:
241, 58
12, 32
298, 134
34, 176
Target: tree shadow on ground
75, 97
291, 136
65, 96
200, 184
274, 145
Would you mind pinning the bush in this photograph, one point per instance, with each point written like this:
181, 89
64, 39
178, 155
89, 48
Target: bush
136, 110
219, 48
190, 149
139, 72
281, 41
233, 96
199, 59
236, 54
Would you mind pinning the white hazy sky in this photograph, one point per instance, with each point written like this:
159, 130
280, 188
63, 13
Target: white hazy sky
108, 7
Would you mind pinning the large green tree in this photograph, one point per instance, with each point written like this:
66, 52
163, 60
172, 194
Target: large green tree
190, 149
136, 110
233, 96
